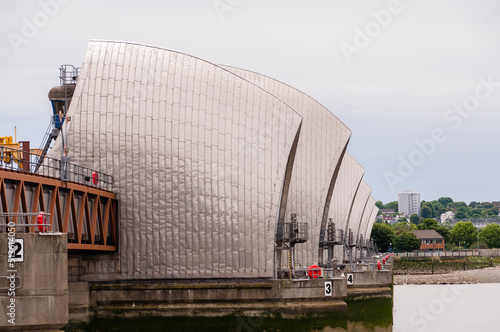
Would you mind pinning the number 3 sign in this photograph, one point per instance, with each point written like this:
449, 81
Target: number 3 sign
328, 288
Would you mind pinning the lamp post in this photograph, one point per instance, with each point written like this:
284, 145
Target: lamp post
478, 243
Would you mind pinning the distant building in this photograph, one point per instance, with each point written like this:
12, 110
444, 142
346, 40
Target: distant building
387, 215
448, 215
430, 240
409, 202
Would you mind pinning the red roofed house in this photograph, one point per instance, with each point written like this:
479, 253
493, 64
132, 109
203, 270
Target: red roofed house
430, 240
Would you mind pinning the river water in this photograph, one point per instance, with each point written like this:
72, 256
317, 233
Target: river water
427, 308
414, 308
369, 315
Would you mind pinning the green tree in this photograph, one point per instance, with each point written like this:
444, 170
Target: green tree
445, 201
445, 233
447, 224
392, 205
476, 213
492, 211
464, 231
459, 204
382, 235
491, 235
406, 241
461, 212
428, 223
403, 226
415, 219
426, 211
380, 205
437, 209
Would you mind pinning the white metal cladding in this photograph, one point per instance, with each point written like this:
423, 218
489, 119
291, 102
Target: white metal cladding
198, 156
322, 142
373, 216
356, 216
348, 180
365, 219
358, 207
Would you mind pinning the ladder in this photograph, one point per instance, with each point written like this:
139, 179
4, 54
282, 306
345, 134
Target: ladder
50, 135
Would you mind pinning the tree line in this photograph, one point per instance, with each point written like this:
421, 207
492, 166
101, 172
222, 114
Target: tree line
434, 209
462, 235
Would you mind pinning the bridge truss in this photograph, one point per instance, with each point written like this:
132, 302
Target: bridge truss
87, 214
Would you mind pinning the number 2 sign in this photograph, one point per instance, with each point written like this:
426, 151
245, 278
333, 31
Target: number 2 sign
17, 255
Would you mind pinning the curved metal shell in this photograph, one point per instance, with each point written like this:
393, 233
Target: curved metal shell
321, 147
369, 227
348, 181
199, 157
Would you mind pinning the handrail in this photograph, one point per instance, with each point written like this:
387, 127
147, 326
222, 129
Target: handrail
459, 253
9, 277
24, 161
28, 216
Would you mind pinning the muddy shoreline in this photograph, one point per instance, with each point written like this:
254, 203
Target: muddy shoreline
485, 275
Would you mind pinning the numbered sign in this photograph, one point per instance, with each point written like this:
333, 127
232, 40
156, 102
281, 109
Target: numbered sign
17, 255
350, 279
328, 288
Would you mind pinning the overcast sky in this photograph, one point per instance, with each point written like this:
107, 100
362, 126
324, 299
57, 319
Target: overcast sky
417, 82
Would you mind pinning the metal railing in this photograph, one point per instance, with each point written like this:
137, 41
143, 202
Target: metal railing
365, 264
69, 74
17, 285
460, 253
303, 274
292, 232
24, 161
29, 225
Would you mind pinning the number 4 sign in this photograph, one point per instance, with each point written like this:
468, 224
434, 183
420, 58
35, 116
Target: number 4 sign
328, 288
17, 255
350, 279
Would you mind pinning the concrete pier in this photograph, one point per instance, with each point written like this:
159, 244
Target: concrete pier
365, 280
206, 298
38, 299
224, 297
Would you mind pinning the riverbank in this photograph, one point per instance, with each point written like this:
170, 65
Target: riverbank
485, 275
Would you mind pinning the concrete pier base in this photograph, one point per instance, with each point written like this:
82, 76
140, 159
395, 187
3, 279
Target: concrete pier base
39, 300
284, 309
370, 278
366, 281
288, 298
363, 292
208, 298
78, 302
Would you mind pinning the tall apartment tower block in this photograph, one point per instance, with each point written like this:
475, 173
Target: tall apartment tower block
409, 202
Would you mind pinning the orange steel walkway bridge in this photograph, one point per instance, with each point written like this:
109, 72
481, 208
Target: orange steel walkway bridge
74, 200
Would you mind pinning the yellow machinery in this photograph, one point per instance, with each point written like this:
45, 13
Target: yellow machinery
9, 150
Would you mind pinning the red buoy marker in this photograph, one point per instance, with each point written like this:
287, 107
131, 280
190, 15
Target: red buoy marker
40, 220
95, 178
313, 271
